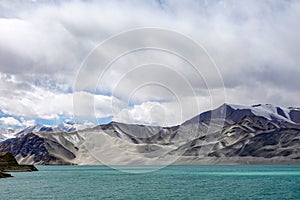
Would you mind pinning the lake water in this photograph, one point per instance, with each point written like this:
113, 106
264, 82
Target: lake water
173, 182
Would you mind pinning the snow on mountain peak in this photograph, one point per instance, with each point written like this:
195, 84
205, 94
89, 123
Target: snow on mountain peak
12, 133
267, 111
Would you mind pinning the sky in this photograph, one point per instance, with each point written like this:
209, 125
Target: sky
253, 44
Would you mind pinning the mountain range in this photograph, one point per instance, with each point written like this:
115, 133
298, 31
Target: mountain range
229, 134
12, 133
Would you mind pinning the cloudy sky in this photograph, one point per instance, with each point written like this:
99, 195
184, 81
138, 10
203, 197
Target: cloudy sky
255, 46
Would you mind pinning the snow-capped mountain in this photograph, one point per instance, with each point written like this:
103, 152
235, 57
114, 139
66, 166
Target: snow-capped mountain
271, 112
13, 133
233, 113
64, 127
8, 133
247, 134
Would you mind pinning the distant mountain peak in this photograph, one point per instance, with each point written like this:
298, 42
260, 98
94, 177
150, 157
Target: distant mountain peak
13, 133
268, 111
232, 113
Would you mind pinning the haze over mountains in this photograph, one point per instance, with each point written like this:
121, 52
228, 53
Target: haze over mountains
228, 134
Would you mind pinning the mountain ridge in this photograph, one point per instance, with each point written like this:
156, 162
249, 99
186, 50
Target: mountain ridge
240, 134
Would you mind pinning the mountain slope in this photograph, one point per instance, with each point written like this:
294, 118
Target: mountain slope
33, 148
255, 137
228, 134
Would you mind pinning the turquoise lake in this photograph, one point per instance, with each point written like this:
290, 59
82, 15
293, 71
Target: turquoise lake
172, 182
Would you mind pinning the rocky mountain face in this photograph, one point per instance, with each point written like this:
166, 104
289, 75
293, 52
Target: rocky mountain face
41, 148
8, 133
228, 134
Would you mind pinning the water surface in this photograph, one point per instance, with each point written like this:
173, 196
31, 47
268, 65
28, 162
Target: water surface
172, 182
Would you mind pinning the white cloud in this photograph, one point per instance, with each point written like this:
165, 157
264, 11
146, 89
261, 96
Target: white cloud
10, 121
34, 102
255, 44
27, 123
163, 113
87, 105
42, 103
